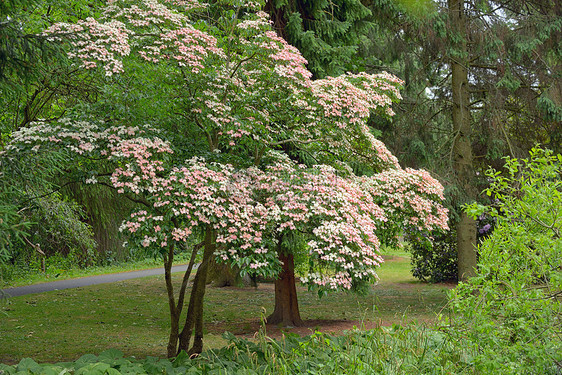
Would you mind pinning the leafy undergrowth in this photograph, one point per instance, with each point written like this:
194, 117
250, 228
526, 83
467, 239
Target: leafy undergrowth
396, 350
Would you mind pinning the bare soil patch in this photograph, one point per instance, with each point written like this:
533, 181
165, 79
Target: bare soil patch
324, 326
250, 328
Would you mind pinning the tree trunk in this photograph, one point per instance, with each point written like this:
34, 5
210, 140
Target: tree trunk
176, 308
197, 346
286, 310
194, 318
462, 147
174, 317
466, 247
222, 274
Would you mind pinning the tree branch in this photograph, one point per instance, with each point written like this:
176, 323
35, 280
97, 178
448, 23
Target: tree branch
186, 276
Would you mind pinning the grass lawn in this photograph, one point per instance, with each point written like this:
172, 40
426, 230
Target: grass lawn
132, 315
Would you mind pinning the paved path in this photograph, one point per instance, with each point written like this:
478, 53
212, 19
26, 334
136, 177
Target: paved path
84, 281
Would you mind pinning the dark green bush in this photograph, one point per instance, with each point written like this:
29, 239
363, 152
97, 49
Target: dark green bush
434, 259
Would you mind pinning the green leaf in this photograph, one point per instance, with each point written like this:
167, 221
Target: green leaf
111, 354
99, 368
29, 365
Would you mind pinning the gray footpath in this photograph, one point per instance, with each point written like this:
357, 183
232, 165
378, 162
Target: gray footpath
84, 281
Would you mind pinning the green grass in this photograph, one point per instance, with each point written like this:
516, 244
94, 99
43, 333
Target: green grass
132, 315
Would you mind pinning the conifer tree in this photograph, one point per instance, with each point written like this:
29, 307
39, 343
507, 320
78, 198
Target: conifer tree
328, 33
510, 92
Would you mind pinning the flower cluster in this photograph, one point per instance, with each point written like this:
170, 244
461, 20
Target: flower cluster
148, 12
139, 157
187, 46
95, 43
409, 198
262, 21
353, 96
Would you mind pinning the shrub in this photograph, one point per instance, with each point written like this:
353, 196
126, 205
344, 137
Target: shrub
434, 258
510, 313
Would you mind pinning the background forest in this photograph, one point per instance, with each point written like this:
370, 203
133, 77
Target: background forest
257, 96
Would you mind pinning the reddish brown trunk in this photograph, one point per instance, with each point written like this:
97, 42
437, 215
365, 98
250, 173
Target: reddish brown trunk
286, 310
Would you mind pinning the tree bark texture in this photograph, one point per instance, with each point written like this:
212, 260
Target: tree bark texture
286, 311
221, 274
194, 318
462, 147
176, 308
466, 247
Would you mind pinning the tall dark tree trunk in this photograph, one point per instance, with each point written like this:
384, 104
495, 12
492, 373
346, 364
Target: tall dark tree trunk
462, 147
286, 310
194, 318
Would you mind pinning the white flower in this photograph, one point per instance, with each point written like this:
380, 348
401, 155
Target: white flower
92, 180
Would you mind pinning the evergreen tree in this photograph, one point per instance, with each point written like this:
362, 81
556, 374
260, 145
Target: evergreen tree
328, 33
505, 102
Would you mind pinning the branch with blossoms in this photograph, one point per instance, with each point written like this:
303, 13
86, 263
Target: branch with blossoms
345, 105
199, 195
248, 209
411, 199
179, 202
338, 219
228, 76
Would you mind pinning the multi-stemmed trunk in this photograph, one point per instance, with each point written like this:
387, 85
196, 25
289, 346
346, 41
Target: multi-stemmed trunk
179, 341
194, 319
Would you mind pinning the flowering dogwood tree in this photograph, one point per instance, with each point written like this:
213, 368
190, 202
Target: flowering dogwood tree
343, 220
248, 94
179, 202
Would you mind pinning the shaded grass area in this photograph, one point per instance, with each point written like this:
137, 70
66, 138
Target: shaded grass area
132, 316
